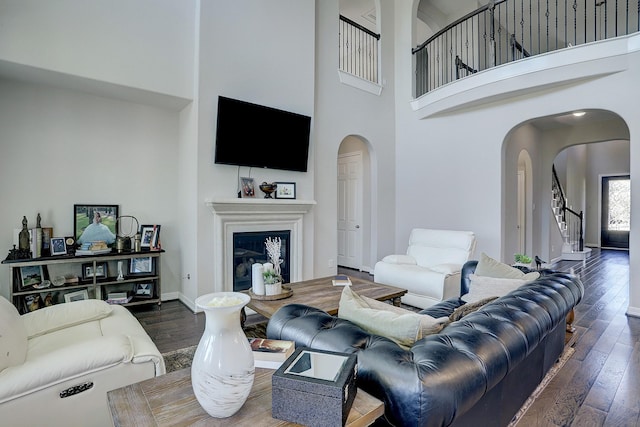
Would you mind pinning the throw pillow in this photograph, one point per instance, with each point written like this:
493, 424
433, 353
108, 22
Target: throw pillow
490, 267
482, 287
65, 315
465, 309
13, 336
399, 325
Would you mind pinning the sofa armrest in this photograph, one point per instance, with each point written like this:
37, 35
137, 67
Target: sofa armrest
70, 362
399, 259
61, 316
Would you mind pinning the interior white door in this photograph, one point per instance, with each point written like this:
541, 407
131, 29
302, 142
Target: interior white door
350, 210
521, 213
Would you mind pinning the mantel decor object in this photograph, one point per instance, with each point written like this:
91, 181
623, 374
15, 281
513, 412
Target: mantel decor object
267, 189
222, 370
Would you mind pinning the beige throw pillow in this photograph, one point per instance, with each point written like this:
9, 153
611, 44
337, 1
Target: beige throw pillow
465, 309
481, 287
402, 326
490, 267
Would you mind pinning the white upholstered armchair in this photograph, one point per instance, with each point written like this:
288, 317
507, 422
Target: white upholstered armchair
430, 270
57, 363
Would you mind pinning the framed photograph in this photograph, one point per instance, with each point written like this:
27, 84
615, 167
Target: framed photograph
286, 190
150, 236
70, 243
47, 235
143, 290
31, 275
247, 187
142, 265
100, 272
76, 296
58, 246
95, 223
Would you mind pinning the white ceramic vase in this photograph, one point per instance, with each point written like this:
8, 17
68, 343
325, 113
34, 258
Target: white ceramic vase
222, 370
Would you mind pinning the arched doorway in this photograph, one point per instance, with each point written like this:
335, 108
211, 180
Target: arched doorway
354, 204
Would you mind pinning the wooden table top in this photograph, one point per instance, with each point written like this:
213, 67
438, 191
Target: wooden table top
321, 293
168, 400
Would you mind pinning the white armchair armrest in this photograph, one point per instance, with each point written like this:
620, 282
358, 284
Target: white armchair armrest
447, 268
399, 259
70, 362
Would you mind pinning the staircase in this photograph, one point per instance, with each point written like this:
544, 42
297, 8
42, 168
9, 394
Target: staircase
570, 224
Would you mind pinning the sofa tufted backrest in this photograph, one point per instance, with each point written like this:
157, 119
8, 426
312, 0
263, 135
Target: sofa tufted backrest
434, 247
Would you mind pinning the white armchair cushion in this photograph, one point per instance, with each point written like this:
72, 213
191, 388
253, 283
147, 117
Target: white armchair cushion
447, 268
399, 259
61, 316
69, 361
13, 336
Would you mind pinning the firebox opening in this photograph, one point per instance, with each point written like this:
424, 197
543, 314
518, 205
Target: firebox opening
249, 248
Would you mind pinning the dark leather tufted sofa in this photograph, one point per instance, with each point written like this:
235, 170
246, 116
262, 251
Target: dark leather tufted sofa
477, 371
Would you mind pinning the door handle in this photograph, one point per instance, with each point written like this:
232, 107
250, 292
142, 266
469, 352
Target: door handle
357, 226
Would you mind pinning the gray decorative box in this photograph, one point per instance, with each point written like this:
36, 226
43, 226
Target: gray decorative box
315, 388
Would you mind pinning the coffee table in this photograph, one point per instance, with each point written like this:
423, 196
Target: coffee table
168, 400
320, 293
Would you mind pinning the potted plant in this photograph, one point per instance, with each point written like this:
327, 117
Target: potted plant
272, 282
522, 260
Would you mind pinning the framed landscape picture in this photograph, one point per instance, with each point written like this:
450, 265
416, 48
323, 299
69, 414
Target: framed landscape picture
142, 265
95, 223
31, 275
286, 190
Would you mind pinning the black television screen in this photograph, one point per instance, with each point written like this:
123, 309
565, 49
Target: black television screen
255, 135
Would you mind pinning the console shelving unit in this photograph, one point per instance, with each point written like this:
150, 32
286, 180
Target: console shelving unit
140, 272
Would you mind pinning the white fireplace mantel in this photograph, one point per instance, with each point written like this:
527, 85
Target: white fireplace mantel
247, 215
259, 206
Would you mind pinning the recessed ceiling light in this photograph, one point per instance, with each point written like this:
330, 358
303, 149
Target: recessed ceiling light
579, 113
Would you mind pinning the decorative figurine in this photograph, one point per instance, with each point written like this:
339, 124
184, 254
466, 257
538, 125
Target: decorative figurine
23, 237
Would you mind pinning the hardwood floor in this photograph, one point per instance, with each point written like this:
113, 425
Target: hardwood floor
599, 385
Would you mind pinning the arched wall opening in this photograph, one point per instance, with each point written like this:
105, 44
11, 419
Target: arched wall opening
356, 204
581, 148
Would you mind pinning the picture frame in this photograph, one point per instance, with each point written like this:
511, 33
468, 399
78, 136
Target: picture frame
143, 290
100, 272
76, 296
247, 187
70, 243
95, 223
58, 246
150, 236
141, 265
31, 275
285, 190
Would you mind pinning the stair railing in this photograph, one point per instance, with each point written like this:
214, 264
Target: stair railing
574, 222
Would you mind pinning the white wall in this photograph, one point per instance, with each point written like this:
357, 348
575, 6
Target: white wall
59, 148
342, 110
143, 44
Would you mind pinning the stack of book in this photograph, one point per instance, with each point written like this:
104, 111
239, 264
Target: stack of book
119, 297
341, 280
268, 353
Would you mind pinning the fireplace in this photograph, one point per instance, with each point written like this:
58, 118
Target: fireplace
249, 248
268, 216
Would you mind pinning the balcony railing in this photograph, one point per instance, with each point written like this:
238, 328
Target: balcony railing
358, 48
509, 30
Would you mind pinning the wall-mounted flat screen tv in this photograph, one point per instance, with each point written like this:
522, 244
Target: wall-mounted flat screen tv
249, 134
